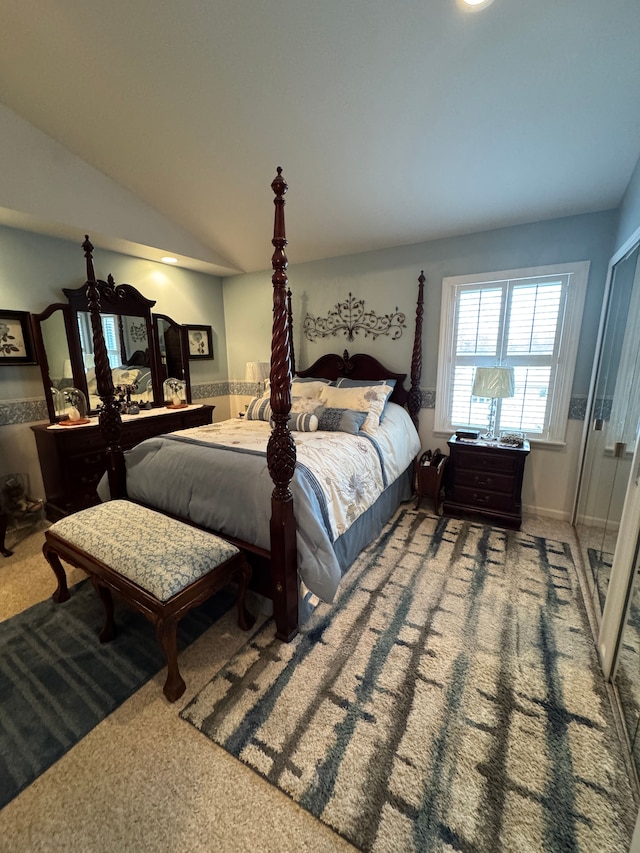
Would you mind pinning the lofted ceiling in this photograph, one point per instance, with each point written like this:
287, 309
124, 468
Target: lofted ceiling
395, 122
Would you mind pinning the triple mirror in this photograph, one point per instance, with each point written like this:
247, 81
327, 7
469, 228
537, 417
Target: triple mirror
143, 348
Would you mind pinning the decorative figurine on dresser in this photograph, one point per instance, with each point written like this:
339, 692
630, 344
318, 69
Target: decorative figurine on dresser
484, 478
145, 350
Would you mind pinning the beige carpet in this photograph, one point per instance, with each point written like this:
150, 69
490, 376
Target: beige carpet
144, 780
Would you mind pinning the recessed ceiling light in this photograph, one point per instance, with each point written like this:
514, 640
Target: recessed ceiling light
476, 4
169, 260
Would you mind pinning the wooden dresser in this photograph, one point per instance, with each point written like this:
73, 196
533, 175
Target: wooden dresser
485, 479
73, 459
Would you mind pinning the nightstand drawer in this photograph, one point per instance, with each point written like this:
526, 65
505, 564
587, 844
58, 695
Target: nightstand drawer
484, 499
478, 460
496, 482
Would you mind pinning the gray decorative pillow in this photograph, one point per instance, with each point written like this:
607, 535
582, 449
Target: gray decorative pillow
340, 420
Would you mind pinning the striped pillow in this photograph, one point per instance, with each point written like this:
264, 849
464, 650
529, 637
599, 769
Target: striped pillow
259, 409
303, 422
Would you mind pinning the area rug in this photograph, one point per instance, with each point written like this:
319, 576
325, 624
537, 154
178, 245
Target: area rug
57, 681
449, 700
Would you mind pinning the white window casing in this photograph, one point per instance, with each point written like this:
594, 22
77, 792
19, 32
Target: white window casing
528, 319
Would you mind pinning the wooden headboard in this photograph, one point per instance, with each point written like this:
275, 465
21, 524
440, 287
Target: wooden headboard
359, 366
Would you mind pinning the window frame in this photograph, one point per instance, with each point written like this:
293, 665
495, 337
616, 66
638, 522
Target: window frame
563, 367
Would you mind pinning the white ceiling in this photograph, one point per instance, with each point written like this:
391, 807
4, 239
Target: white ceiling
395, 122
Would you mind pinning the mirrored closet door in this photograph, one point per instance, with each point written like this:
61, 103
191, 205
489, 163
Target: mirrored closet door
607, 512
612, 424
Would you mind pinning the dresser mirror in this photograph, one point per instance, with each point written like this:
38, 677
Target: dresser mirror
173, 349
143, 349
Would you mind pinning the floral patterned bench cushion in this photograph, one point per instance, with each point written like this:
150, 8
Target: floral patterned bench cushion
160, 554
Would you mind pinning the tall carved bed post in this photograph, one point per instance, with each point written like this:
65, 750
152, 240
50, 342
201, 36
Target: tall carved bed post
109, 418
281, 449
414, 398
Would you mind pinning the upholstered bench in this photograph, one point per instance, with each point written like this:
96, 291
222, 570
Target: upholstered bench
160, 566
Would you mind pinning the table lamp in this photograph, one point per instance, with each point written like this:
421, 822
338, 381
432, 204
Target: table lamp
257, 372
495, 383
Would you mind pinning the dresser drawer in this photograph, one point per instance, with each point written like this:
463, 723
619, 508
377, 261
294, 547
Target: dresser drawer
496, 482
484, 499
73, 460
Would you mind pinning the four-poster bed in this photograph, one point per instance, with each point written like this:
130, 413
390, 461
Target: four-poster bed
306, 528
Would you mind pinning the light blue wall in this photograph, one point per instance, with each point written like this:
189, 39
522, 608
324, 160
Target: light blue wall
629, 209
388, 279
34, 269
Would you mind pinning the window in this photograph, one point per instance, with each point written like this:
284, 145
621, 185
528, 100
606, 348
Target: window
110, 334
525, 319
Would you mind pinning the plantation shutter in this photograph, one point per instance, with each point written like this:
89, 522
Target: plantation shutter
518, 322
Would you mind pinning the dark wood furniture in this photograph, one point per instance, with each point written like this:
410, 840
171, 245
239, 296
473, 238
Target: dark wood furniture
73, 459
153, 341
72, 540
485, 479
281, 451
281, 559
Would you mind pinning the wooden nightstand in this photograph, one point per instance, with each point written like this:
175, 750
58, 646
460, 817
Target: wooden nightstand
485, 479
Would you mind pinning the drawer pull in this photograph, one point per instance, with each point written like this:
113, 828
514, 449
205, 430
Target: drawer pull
480, 499
483, 481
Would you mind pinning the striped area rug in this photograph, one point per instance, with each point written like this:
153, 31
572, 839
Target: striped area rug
57, 681
450, 700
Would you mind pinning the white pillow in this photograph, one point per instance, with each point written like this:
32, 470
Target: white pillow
302, 388
308, 387
304, 405
371, 399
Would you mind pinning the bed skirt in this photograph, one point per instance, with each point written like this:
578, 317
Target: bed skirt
363, 531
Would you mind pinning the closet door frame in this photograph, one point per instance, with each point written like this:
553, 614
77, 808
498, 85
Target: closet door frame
614, 615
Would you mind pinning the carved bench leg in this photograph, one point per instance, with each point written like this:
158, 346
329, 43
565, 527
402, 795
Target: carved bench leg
245, 619
166, 632
62, 592
108, 631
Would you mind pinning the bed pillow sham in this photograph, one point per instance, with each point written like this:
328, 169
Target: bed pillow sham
343, 382
340, 420
304, 405
370, 399
301, 386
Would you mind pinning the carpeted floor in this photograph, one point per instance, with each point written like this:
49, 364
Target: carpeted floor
450, 700
143, 780
57, 681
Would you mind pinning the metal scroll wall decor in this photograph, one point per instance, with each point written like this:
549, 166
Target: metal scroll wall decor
351, 318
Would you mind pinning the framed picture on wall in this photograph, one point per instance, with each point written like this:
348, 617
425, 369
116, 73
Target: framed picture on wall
200, 341
16, 341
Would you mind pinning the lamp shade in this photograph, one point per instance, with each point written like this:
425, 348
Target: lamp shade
257, 371
493, 382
